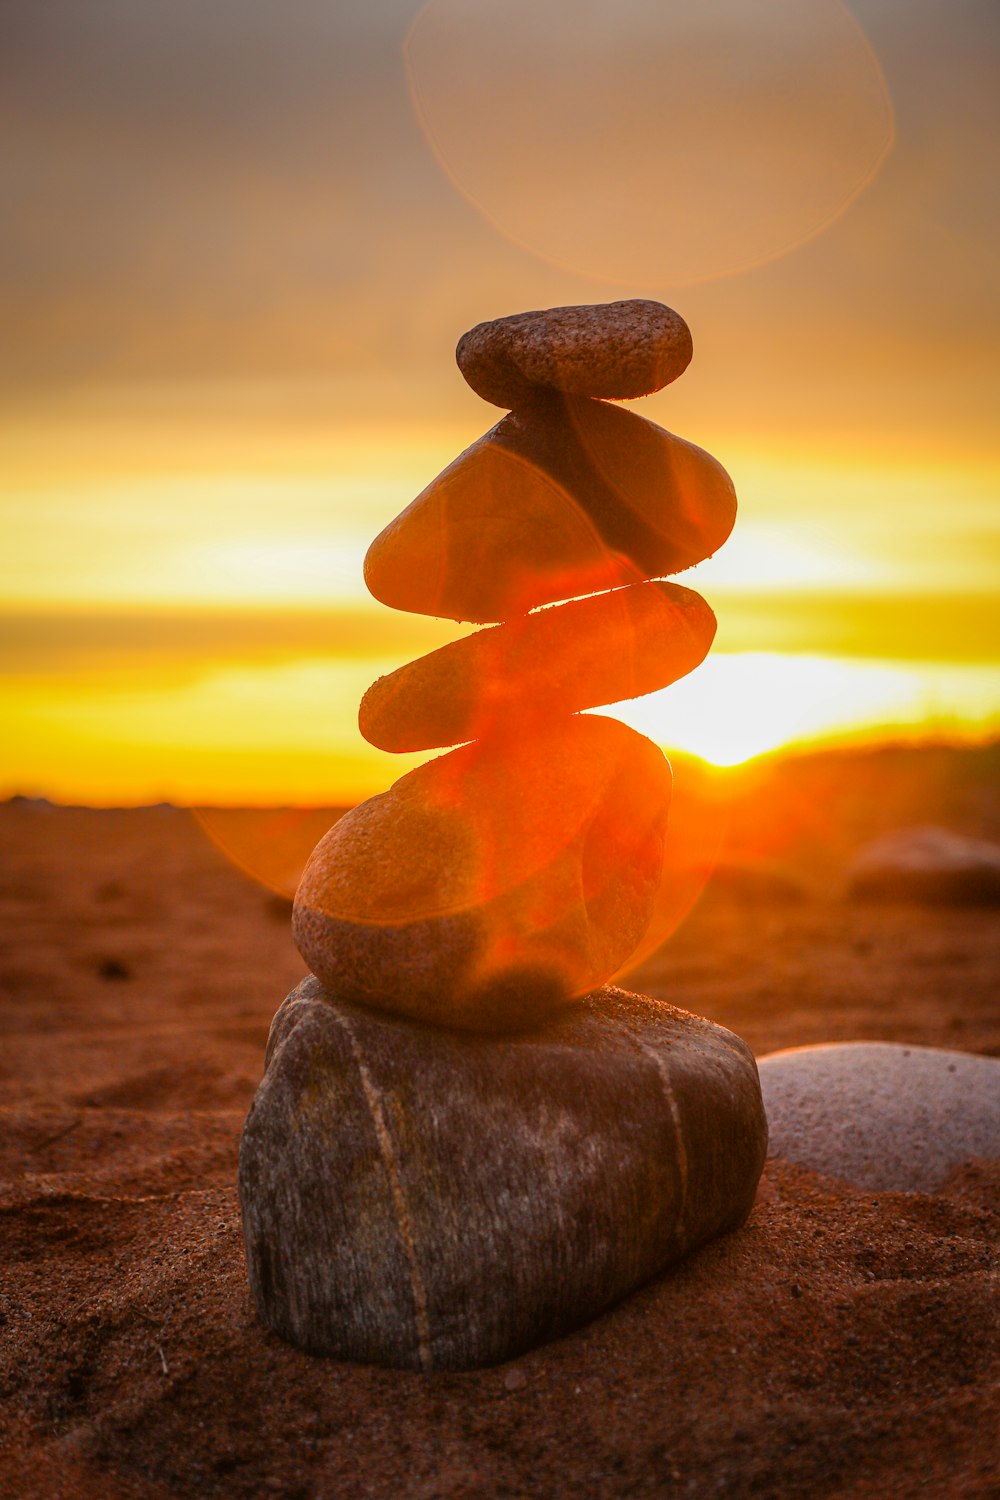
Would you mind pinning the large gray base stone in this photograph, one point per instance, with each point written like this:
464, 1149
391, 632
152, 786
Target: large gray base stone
426, 1198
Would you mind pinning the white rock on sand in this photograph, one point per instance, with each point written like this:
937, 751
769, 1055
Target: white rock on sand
880, 1115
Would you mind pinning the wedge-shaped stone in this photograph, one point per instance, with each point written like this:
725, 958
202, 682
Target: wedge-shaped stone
560, 499
617, 350
429, 1199
553, 662
490, 887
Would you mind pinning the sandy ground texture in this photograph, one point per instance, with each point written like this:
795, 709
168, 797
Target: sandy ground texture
843, 1343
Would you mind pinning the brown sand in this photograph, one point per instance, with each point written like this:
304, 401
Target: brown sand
841, 1344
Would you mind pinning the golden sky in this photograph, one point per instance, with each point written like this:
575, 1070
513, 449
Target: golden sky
234, 270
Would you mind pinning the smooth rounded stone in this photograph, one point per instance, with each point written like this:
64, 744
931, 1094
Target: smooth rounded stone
429, 1199
564, 498
550, 663
617, 350
880, 1115
490, 887
930, 865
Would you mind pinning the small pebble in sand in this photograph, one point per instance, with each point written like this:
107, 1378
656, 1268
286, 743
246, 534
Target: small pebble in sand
113, 969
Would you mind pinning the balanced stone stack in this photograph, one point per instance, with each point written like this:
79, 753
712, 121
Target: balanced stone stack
466, 1142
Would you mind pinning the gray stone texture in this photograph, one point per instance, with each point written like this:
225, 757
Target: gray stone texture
428, 1199
562, 498
617, 350
881, 1115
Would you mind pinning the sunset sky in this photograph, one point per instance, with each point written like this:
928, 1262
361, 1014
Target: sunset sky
242, 239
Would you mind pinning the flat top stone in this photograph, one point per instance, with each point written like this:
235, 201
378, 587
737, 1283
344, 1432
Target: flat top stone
880, 1115
616, 350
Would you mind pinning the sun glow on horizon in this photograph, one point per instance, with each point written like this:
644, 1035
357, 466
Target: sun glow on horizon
286, 732
208, 638
238, 367
298, 538
741, 705
204, 634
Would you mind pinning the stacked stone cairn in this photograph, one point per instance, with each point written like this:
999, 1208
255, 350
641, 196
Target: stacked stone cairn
466, 1142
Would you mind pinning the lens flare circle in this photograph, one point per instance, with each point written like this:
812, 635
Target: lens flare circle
650, 144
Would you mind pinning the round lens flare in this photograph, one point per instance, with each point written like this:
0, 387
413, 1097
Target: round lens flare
650, 143
270, 845
696, 836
